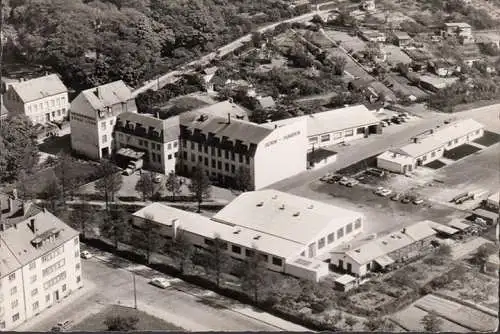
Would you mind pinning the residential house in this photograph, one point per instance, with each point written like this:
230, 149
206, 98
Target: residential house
382, 253
493, 202
156, 138
42, 100
93, 117
461, 30
337, 126
435, 83
225, 146
373, 36
39, 261
290, 233
490, 39
266, 102
428, 148
443, 68
401, 38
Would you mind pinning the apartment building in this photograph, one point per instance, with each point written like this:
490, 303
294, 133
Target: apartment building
42, 100
225, 146
93, 118
431, 147
292, 234
39, 261
157, 138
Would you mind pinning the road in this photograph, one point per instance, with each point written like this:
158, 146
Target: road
173, 76
109, 280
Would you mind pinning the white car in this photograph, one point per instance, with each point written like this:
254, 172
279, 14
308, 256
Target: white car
85, 254
160, 282
385, 192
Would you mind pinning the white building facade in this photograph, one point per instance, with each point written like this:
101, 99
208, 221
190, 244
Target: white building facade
40, 267
93, 117
158, 139
42, 100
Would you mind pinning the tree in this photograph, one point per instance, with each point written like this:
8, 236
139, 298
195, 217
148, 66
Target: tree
444, 251
200, 186
146, 185
378, 324
181, 249
65, 173
173, 184
243, 179
432, 323
82, 218
51, 193
118, 323
24, 186
338, 64
114, 225
254, 274
217, 260
147, 238
350, 321
110, 181
483, 252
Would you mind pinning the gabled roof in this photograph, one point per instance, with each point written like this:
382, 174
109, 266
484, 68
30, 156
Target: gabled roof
281, 214
38, 88
107, 95
424, 146
221, 109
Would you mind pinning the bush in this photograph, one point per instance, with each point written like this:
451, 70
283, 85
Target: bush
321, 305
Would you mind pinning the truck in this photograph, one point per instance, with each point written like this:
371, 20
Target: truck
133, 166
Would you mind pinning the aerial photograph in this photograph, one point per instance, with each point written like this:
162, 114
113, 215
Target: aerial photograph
249, 165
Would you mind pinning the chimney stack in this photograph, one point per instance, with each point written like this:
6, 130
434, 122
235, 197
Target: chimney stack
403, 230
32, 225
228, 118
175, 226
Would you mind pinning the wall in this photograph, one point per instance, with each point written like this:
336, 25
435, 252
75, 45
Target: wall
356, 268
279, 156
84, 136
335, 137
463, 139
6, 306
169, 152
311, 274
390, 165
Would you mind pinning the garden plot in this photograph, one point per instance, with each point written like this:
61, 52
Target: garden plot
347, 41
461, 151
489, 138
410, 319
476, 288
463, 315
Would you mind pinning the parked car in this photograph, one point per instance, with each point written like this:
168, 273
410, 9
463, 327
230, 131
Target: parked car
396, 197
85, 254
385, 192
352, 182
396, 121
160, 282
406, 199
378, 190
62, 326
344, 181
417, 201
375, 172
387, 120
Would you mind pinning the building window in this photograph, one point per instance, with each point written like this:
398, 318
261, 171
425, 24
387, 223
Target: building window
14, 304
277, 261
104, 139
249, 253
2, 324
325, 138
313, 140
331, 238
13, 290
236, 249
219, 152
47, 298
449, 143
455, 141
219, 165
226, 167
78, 279
35, 306
32, 265
226, 154
340, 233
264, 257
349, 133
477, 132
206, 162
247, 159
357, 223
63, 287
77, 266
170, 157
184, 155
213, 163
12, 276
199, 147
77, 253
232, 156
34, 292
433, 154
192, 145
321, 243
75, 241
205, 149
15, 317
233, 169
193, 157
111, 122
200, 158
169, 146
103, 125
348, 228
33, 279
240, 158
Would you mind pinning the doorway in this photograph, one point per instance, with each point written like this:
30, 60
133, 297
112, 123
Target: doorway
105, 152
56, 295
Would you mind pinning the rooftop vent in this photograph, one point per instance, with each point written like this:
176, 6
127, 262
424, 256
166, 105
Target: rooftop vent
202, 118
237, 232
403, 230
393, 236
282, 207
384, 242
257, 237
260, 204
296, 214
311, 206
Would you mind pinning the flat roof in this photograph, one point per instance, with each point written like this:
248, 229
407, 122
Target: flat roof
436, 81
291, 217
458, 24
395, 156
345, 279
458, 224
486, 214
205, 227
443, 228
307, 263
335, 120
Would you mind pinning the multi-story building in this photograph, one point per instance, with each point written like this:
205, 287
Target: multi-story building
39, 261
43, 99
93, 117
292, 235
157, 138
224, 147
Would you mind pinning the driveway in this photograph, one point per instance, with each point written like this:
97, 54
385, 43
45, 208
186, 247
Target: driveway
110, 281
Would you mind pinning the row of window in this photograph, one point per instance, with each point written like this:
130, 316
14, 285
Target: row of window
49, 270
35, 107
56, 252
154, 145
82, 119
214, 163
53, 281
104, 124
248, 252
229, 155
340, 233
334, 136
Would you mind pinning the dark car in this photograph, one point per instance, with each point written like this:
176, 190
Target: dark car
406, 200
396, 120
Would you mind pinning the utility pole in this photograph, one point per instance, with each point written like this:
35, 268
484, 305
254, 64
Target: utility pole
135, 292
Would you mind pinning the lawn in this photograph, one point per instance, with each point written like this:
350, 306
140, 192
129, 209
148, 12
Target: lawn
436, 164
461, 151
146, 322
489, 138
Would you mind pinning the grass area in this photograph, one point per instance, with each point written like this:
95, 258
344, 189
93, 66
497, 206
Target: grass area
461, 151
436, 164
146, 322
489, 138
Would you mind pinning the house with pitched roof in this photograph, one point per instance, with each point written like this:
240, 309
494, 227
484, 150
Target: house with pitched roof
227, 146
39, 261
42, 100
93, 118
